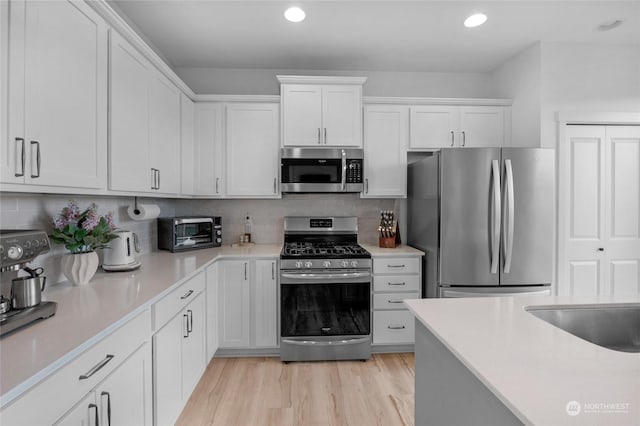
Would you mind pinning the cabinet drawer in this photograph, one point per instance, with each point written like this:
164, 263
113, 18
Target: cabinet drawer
396, 265
396, 283
173, 303
56, 394
392, 300
393, 327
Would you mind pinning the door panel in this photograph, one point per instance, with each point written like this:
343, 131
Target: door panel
466, 216
586, 186
301, 111
341, 115
624, 276
585, 277
533, 216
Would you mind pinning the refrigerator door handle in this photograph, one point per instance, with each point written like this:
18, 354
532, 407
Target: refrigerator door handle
495, 219
509, 222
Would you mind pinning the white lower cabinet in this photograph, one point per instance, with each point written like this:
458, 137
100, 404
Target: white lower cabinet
394, 280
211, 273
247, 303
178, 349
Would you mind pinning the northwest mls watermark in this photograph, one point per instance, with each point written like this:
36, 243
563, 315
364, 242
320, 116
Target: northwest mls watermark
575, 408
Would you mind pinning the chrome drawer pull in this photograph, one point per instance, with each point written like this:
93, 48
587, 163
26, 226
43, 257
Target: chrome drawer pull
97, 367
394, 301
395, 327
187, 294
397, 283
395, 266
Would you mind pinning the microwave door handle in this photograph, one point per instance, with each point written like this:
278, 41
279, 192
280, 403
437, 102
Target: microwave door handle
344, 170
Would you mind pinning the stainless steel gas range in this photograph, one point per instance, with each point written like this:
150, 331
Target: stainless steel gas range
325, 291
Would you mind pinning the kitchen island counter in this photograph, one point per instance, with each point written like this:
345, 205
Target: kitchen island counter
400, 250
88, 313
541, 374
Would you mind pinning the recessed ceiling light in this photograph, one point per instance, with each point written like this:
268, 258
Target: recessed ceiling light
610, 25
475, 20
294, 14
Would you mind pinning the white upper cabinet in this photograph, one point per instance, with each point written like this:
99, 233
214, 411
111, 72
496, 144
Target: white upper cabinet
321, 111
386, 129
144, 125
208, 163
56, 84
440, 126
187, 141
252, 149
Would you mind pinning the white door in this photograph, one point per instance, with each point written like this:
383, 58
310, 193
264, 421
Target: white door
622, 197
193, 346
599, 250
385, 151
252, 149
234, 304
342, 115
212, 310
209, 154
167, 371
302, 115
481, 126
265, 303
129, 118
433, 126
85, 413
124, 398
187, 158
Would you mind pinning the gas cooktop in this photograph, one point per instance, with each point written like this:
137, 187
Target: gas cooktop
323, 249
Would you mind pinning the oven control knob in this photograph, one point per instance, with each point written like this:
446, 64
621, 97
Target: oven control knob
344, 263
354, 263
308, 264
298, 264
326, 263
218, 240
14, 252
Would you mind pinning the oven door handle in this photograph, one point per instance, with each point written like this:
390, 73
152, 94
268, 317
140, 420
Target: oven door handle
297, 278
341, 342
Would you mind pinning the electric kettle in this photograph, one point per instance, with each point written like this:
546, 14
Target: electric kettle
118, 255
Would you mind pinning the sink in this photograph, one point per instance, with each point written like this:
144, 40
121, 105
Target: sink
612, 326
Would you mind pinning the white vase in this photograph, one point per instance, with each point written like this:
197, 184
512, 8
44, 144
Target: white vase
79, 268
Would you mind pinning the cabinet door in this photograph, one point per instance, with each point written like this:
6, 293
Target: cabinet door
193, 346
233, 304
265, 303
167, 371
124, 398
385, 146
481, 126
302, 115
252, 150
64, 89
129, 125
433, 126
187, 158
212, 310
209, 154
164, 133
342, 115
85, 413
11, 120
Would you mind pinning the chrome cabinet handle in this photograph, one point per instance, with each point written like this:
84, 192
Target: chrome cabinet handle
464, 138
37, 144
394, 301
158, 187
185, 326
452, 137
96, 420
395, 266
366, 186
273, 270
96, 367
153, 177
325, 135
319, 142
108, 395
245, 271
21, 141
187, 294
275, 185
396, 327
217, 185
402, 283
190, 321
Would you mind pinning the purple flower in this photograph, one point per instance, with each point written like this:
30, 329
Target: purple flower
59, 222
91, 221
109, 218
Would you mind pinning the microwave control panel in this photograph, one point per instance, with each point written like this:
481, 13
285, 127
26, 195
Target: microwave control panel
354, 171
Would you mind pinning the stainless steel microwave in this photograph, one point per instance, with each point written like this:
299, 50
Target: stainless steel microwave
321, 170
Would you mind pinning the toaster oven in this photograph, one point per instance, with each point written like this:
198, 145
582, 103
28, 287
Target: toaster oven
189, 233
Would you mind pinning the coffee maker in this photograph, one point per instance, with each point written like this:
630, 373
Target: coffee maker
17, 249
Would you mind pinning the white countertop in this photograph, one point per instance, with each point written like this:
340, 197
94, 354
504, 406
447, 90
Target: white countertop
88, 313
400, 250
533, 367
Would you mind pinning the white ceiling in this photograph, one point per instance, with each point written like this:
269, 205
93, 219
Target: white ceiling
370, 35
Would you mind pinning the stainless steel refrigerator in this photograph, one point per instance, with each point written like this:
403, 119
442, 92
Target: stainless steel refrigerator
485, 219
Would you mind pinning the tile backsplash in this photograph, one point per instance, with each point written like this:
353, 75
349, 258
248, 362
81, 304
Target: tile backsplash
35, 211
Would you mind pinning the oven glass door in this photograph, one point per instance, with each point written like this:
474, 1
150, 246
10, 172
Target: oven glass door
304, 170
325, 309
193, 233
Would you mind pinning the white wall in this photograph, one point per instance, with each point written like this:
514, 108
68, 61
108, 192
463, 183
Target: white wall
379, 83
519, 79
586, 77
35, 211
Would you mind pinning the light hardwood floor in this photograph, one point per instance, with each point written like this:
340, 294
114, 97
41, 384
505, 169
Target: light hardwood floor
265, 391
